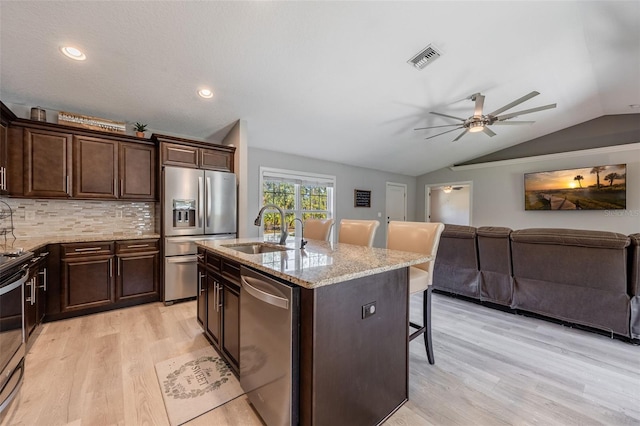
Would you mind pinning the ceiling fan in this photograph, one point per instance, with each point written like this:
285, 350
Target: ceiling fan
479, 122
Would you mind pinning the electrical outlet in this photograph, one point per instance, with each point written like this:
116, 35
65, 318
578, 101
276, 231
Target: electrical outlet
368, 310
29, 215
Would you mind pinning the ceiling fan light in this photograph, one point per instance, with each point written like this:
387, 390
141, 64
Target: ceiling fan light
447, 189
476, 127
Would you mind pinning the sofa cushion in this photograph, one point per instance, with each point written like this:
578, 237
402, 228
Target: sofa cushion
571, 237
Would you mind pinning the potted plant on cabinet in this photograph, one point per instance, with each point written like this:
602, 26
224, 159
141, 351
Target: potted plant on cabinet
140, 129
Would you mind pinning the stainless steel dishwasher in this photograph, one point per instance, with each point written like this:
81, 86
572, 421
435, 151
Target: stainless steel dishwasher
269, 328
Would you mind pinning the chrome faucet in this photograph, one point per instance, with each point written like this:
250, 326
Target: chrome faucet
283, 229
302, 241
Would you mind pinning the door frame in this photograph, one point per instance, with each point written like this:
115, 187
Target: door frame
427, 197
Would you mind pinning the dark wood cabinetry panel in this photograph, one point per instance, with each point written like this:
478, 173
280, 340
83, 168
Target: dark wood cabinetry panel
137, 269
231, 324
214, 315
3, 158
216, 160
47, 163
137, 171
179, 155
137, 275
87, 282
202, 295
95, 164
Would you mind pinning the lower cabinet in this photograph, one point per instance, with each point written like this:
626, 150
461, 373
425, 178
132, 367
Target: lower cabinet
219, 305
87, 276
137, 269
35, 292
98, 276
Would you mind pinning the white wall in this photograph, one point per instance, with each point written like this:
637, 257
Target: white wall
498, 193
450, 208
348, 178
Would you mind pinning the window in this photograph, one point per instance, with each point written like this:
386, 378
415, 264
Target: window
300, 195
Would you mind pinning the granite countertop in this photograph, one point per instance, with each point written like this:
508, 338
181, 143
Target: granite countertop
320, 263
34, 243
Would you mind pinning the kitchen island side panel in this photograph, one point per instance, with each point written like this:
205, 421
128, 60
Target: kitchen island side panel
354, 370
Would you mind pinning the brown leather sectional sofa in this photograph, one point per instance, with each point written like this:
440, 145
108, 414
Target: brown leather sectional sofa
590, 278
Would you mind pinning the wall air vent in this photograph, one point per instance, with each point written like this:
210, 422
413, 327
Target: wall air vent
425, 57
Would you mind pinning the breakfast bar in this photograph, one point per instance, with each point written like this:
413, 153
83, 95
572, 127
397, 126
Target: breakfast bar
348, 344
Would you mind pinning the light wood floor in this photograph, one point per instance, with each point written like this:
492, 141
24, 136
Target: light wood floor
492, 368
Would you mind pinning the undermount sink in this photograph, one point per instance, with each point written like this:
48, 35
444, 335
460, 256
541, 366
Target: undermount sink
255, 248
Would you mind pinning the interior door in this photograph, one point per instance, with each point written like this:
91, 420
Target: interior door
396, 202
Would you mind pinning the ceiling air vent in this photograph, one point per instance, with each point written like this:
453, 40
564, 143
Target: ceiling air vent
425, 57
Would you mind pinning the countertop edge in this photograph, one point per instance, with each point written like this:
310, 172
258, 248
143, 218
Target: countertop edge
36, 243
252, 262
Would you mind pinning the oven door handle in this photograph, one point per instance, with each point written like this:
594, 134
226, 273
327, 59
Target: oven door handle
14, 285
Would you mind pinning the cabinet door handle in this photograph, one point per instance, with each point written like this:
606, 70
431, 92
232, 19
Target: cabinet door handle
68, 183
138, 245
3, 179
121, 187
110, 268
44, 279
119, 263
219, 298
88, 249
200, 276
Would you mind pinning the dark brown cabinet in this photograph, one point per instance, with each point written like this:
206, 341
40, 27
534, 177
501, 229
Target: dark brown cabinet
219, 304
113, 170
3, 158
99, 276
87, 276
137, 269
95, 164
6, 116
137, 171
47, 163
35, 292
53, 161
214, 312
198, 155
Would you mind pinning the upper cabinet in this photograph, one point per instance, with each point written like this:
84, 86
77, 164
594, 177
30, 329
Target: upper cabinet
5, 118
198, 155
56, 161
47, 163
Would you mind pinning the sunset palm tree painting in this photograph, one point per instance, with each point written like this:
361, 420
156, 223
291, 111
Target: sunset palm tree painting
589, 188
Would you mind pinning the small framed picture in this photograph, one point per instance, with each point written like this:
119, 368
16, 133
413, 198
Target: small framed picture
361, 198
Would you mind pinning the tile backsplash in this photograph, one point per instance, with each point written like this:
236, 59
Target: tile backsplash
43, 218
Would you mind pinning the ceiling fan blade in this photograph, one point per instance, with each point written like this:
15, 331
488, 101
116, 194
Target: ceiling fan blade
445, 115
479, 104
526, 111
502, 123
444, 132
514, 103
460, 135
488, 131
435, 127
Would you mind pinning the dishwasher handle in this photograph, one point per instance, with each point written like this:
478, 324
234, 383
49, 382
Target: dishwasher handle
264, 296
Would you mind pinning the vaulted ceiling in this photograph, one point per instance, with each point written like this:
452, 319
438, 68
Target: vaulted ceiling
328, 80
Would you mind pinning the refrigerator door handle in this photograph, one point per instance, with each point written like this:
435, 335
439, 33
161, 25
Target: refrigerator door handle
207, 194
200, 201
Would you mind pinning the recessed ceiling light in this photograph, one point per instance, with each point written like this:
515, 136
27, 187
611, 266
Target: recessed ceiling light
73, 53
205, 93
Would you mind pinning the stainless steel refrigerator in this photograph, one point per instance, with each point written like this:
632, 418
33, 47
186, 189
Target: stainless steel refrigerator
197, 205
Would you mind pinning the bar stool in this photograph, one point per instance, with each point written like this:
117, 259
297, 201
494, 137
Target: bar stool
418, 237
317, 229
358, 232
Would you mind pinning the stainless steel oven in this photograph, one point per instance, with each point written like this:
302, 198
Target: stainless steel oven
14, 272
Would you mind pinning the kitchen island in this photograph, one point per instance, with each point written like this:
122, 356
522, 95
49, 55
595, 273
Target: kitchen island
350, 343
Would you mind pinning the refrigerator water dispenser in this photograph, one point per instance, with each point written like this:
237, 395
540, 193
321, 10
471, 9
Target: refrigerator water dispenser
184, 213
